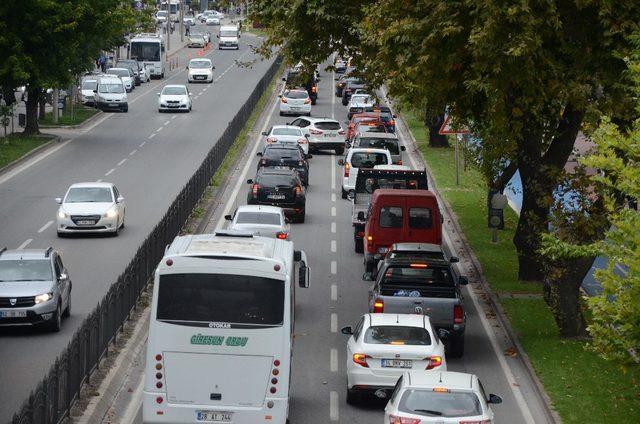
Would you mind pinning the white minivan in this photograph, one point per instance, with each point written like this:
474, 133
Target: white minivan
229, 37
110, 94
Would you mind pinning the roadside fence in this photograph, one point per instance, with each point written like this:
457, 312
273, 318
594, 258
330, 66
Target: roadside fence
51, 400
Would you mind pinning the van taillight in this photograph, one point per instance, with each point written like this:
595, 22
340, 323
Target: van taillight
458, 314
399, 162
255, 189
283, 100
378, 306
346, 169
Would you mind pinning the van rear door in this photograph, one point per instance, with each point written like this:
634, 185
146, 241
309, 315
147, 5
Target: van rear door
391, 222
423, 223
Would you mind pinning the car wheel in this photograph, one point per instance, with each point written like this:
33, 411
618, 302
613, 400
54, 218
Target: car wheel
56, 321
344, 193
61, 235
281, 113
369, 266
339, 151
67, 311
125, 109
353, 398
456, 347
359, 245
116, 232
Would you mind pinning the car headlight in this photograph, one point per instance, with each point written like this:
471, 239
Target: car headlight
62, 214
111, 213
45, 297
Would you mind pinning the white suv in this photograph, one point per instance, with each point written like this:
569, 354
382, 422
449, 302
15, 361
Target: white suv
322, 133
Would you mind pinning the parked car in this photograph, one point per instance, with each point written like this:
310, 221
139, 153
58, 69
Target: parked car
126, 75
111, 94
35, 289
261, 220
135, 67
87, 88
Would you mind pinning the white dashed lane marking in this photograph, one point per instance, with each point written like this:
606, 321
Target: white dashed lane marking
122, 161
334, 267
110, 172
133, 152
25, 244
45, 226
151, 136
334, 292
333, 227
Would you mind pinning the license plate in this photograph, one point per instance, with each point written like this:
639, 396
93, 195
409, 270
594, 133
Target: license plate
281, 167
329, 135
198, 77
294, 108
13, 314
86, 222
397, 363
113, 105
214, 416
276, 196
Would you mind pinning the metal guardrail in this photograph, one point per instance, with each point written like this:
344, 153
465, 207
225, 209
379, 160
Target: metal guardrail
52, 399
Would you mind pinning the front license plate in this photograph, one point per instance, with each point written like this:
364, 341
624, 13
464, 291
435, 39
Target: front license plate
214, 416
276, 196
13, 314
397, 363
86, 222
200, 78
329, 136
113, 105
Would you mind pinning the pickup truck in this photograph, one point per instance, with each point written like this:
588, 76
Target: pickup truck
367, 181
421, 285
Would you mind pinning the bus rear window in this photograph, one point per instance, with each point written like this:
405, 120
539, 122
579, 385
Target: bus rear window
220, 298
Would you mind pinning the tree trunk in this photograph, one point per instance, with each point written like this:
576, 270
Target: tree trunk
43, 106
562, 294
8, 95
434, 123
33, 98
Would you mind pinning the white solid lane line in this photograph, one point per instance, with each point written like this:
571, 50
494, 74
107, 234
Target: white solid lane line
151, 136
334, 267
25, 244
130, 414
133, 152
334, 246
333, 227
45, 226
333, 406
334, 323
334, 292
122, 161
333, 360
110, 172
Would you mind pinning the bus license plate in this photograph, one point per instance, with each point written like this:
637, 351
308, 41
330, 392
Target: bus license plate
13, 314
397, 363
214, 416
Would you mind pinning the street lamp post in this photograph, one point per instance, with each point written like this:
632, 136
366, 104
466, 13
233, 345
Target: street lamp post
181, 5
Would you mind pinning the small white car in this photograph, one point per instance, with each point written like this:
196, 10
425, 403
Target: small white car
90, 207
266, 221
196, 39
212, 20
162, 16
444, 397
174, 97
125, 75
200, 70
86, 90
382, 347
295, 102
279, 134
322, 133
189, 20
360, 158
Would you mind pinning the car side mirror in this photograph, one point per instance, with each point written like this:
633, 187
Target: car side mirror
259, 154
120, 199
58, 200
280, 95
361, 216
309, 156
463, 281
347, 144
265, 133
228, 217
218, 36
367, 276
186, 67
249, 181
213, 67
403, 148
494, 399
341, 162
63, 276
306, 135
346, 330
454, 259
303, 272
95, 91
287, 220
443, 334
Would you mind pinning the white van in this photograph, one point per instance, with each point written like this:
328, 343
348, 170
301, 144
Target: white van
221, 330
229, 37
110, 94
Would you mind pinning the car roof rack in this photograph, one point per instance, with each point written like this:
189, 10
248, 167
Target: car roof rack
48, 251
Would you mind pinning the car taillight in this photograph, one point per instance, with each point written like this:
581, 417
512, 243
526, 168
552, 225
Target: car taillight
378, 306
314, 89
360, 359
434, 361
315, 132
298, 190
255, 189
307, 101
393, 419
302, 141
271, 139
399, 162
346, 169
391, 123
282, 235
283, 100
340, 131
458, 314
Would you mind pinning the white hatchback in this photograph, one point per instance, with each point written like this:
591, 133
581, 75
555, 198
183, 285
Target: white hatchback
265, 221
445, 398
295, 102
200, 70
174, 97
286, 134
360, 158
383, 346
125, 75
90, 207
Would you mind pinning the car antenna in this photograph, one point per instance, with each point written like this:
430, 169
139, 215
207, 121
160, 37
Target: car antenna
397, 319
440, 377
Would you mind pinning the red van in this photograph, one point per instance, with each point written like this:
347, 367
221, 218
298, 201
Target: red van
400, 216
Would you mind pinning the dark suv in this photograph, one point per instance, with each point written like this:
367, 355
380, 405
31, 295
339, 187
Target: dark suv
279, 187
286, 156
35, 288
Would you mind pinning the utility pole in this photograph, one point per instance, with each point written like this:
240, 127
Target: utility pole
181, 6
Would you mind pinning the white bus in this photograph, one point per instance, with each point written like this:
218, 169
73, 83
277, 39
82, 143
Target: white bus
221, 330
173, 7
149, 49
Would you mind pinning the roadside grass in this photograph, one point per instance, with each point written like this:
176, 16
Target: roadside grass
14, 146
241, 140
583, 387
79, 115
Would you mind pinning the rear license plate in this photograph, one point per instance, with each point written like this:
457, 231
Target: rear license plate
294, 107
13, 314
214, 416
397, 363
329, 135
276, 196
86, 222
281, 167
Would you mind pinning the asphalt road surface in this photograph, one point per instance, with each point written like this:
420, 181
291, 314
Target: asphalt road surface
338, 297
149, 156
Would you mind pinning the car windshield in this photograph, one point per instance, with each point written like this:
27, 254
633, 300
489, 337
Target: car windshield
381, 143
440, 403
89, 85
118, 72
25, 270
200, 64
111, 88
89, 195
297, 94
161, 13
368, 160
328, 125
287, 131
358, 98
258, 218
228, 34
396, 335
174, 91
196, 33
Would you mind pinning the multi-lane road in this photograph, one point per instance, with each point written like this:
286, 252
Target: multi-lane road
338, 297
149, 156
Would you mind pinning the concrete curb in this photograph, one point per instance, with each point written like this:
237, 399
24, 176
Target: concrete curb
98, 407
552, 415
29, 155
80, 125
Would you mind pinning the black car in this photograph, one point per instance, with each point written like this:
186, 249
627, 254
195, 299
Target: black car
342, 82
286, 156
135, 67
279, 187
350, 87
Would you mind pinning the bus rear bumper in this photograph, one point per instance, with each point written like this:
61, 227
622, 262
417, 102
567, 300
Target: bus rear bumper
166, 412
